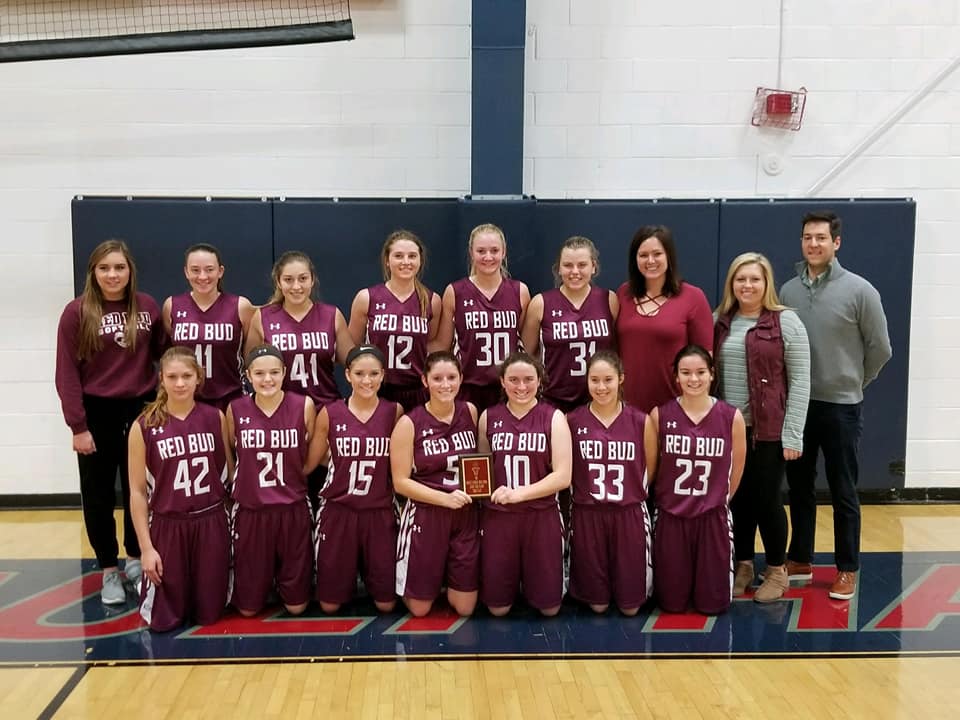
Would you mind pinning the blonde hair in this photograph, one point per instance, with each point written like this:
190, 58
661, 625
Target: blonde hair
769, 301
423, 295
91, 302
156, 413
577, 242
495, 230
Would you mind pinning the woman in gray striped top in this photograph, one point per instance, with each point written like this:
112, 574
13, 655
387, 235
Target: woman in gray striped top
763, 360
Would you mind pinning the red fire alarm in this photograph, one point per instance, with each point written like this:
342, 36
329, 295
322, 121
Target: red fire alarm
779, 103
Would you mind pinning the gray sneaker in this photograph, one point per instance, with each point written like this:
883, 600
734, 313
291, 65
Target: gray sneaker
134, 571
112, 592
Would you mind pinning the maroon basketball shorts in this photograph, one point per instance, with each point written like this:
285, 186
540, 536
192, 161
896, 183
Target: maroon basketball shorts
408, 396
221, 403
349, 541
693, 561
610, 554
482, 396
521, 549
195, 554
437, 546
272, 544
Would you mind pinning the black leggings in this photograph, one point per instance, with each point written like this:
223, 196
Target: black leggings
108, 420
758, 502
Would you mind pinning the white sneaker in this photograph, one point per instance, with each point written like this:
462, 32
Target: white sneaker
112, 592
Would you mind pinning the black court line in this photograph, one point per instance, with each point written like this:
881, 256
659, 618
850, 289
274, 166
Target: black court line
61, 697
83, 665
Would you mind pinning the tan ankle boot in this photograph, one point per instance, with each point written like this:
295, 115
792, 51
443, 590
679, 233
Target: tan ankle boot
775, 584
742, 578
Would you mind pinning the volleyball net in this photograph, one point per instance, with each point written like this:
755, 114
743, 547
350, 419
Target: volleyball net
46, 29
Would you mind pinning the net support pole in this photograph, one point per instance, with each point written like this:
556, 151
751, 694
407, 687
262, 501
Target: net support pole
498, 42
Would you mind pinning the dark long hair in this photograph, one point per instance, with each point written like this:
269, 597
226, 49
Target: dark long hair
672, 280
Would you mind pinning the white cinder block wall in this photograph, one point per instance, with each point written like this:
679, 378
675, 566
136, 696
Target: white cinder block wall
385, 115
641, 99
625, 99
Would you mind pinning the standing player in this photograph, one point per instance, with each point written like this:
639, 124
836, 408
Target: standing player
521, 541
610, 527
178, 473
439, 541
212, 322
107, 342
272, 523
309, 335
401, 317
702, 446
482, 316
570, 323
356, 521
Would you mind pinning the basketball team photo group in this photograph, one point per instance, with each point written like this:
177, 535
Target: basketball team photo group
475, 450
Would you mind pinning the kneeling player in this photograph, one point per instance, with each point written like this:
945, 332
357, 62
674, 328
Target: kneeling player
614, 445
178, 469
702, 447
356, 519
439, 540
522, 540
272, 526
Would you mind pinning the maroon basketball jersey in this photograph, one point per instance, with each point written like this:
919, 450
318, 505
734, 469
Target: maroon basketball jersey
486, 328
309, 348
186, 462
437, 446
359, 472
609, 466
693, 474
399, 331
216, 335
521, 452
568, 338
271, 452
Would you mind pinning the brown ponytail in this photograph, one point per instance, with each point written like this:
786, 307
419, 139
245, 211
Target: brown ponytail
156, 413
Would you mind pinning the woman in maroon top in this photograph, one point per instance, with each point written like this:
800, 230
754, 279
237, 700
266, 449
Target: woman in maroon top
107, 342
659, 315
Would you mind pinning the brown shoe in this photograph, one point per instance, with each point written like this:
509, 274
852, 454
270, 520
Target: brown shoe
775, 584
799, 571
845, 586
743, 577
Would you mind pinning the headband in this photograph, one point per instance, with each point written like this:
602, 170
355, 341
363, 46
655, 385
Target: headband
359, 350
262, 351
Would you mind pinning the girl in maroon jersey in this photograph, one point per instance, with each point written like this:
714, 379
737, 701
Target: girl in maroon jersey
401, 317
570, 323
356, 521
610, 536
482, 316
212, 322
701, 448
272, 520
179, 467
522, 533
439, 540
108, 340
310, 335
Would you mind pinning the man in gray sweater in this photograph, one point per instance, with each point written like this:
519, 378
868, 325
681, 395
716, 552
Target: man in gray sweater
849, 345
